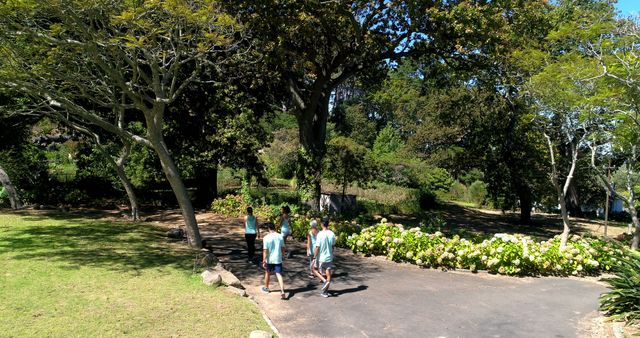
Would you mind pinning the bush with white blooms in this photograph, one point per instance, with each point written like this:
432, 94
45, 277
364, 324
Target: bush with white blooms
508, 254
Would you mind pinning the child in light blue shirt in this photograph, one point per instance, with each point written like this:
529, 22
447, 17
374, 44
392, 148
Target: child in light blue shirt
311, 244
251, 232
323, 254
272, 251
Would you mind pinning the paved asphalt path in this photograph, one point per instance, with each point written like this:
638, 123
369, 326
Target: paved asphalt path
372, 297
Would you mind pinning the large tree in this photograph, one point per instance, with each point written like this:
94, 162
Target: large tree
462, 113
90, 59
317, 45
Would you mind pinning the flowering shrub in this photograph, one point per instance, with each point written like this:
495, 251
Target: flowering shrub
230, 206
236, 206
301, 224
503, 253
427, 246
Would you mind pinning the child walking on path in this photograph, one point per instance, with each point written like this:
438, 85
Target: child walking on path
311, 244
272, 251
251, 232
323, 254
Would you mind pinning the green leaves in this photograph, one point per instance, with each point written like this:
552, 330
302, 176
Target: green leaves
348, 162
623, 301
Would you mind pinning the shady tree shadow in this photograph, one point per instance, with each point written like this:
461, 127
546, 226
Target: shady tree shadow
488, 223
89, 240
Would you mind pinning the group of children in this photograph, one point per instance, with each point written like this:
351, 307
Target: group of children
320, 245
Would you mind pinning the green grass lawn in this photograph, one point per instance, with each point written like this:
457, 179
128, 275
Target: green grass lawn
73, 276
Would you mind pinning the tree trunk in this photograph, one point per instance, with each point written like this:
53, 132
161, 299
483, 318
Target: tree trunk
126, 183
312, 124
525, 206
630, 199
207, 182
14, 199
562, 190
565, 221
213, 183
154, 125
636, 223
573, 201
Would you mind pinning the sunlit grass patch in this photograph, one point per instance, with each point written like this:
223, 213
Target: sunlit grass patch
66, 276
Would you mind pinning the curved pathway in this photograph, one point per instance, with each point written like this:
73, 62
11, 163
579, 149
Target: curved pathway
372, 297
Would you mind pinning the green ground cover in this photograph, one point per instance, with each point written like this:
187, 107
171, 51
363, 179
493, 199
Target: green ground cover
72, 276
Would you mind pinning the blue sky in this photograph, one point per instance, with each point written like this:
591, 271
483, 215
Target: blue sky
628, 7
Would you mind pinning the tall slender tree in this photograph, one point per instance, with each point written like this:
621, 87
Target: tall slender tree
562, 92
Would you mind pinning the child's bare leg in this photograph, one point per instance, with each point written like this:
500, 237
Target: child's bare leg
280, 281
318, 274
266, 279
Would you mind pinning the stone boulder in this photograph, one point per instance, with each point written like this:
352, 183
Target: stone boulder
260, 334
211, 278
236, 291
228, 278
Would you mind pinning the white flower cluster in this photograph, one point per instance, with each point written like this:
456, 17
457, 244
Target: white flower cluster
502, 253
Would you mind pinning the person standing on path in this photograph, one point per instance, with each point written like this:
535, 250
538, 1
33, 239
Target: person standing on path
323, 256
251, 232
285, 229
311, 245
272, 251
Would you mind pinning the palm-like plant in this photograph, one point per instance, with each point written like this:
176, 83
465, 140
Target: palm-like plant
623, 301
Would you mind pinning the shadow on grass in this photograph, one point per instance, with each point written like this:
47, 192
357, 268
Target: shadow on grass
85, 239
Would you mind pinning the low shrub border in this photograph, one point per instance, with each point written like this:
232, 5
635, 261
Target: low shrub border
506, 254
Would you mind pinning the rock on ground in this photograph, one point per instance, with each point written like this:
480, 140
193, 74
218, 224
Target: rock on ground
211, 278
260, 334
236, 291
228, 278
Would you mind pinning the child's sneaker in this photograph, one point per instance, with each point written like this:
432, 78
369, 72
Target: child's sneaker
283, 296
325, 287
325, 295
265, 289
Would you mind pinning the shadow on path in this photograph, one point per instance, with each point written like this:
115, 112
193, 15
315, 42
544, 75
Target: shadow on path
371, 297
230, 247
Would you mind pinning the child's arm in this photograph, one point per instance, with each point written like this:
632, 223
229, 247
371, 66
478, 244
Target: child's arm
308, 244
